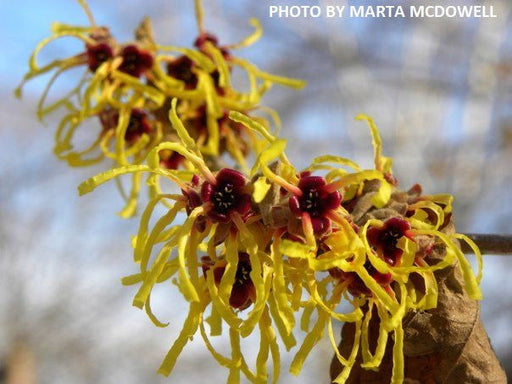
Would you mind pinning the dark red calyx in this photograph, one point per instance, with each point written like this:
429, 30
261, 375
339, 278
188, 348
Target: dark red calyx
316, 200
243, 293
200, 43
138, 124
170, 159
385, 239
98, 54
228, 195
136, 61
182, 69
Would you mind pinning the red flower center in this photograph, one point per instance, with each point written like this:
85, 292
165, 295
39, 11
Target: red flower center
385, 239
224, 198
316, 200
170, 159
200, 43
310, 202
243, 292
227, 196
138, 125
181, 69
356, 286
135, 61
98, 54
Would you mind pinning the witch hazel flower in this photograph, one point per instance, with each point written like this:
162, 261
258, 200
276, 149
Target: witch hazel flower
316, 200
385, 239
182, 68
124, 130
202, 44
355, 285
170, 159
243, 293
97, 54
138, 125
226, 196
135, 61
185, 69
223, 198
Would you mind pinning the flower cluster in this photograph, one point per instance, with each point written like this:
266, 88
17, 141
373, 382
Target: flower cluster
273, 250
276, 251
127, 88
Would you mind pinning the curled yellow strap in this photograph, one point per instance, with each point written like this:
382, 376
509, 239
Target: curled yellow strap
295, 249
215, 322
275, 149
476, 251
343, 375
130, 208
189, 329
252, 124
376, 141
377, 290
222, 360
236, 356
260, 276
391, 322
365, 345
444, 199
422, 216
373, 361
151, 315
218, 57
142, 234
153, 161
145, 244
452, 252
187, 287
309, 342
90, 184
287, 338
429, 300
286, 81
261, 359
228, 278
150, 279
177, 124
397, 376
321, 160
270, 336
353, 316
252, 38
198, 7
205, 83
221, 306
279, 288
212, 145
305, 319
64, 101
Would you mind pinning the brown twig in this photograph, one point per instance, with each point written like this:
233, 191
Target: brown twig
490, 244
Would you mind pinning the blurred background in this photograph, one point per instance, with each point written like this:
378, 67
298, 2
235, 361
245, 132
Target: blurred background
440, 91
